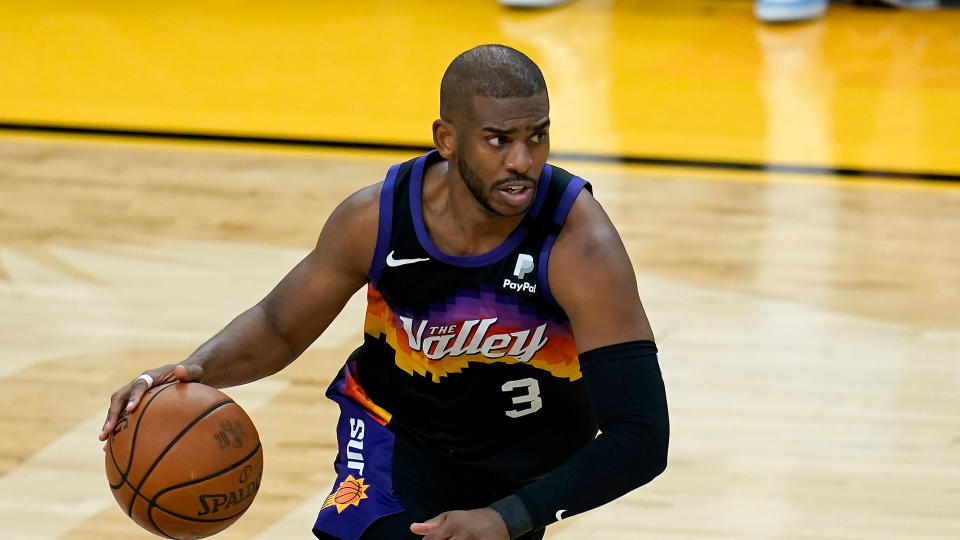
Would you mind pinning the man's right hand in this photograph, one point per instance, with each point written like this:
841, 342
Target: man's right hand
129, 396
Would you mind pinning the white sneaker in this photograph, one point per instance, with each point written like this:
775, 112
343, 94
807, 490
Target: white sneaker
532, 3
789, 10
913, 4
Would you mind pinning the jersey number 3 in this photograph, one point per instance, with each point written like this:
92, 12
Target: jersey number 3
530, 397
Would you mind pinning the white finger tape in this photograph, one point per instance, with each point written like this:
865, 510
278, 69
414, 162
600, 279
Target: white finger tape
147, 379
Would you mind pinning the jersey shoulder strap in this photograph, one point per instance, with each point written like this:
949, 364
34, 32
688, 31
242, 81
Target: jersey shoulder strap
562, 190
545, 218
394, 186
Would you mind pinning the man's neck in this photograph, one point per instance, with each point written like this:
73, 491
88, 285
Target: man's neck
456, 222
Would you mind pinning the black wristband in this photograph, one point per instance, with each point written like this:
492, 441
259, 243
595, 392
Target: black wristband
515, 515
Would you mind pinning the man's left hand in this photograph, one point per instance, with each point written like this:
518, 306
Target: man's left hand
479, 524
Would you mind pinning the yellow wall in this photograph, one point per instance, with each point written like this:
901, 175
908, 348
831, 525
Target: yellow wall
694, 79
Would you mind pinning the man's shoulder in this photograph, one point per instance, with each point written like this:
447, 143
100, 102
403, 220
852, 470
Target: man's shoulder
366, 196
581, 206
587, 228
357, 216
361, 203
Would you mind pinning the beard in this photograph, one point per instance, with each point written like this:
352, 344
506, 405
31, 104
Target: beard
475, 185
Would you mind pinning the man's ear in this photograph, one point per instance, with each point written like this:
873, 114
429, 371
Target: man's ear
445, 138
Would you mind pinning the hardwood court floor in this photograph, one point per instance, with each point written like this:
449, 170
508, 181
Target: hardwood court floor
809, 335
808, 323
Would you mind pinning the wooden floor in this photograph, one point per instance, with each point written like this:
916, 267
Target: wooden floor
808, 324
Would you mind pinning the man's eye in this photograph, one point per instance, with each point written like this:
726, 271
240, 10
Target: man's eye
539, 137
498, 140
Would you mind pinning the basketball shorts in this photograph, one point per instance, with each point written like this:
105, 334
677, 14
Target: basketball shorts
387, 480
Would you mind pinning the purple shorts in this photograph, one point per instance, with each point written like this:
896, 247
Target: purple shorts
363, 491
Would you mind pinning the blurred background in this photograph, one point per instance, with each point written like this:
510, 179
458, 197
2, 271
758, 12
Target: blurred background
789, 195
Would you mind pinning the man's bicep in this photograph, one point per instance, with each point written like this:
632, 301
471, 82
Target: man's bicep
593, 280
311, 295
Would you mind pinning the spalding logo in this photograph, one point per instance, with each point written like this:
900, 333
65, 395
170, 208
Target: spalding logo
212, 503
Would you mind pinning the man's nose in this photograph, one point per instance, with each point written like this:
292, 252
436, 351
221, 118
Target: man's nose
518, 159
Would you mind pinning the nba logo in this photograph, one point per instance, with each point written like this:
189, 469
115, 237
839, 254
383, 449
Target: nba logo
524, 265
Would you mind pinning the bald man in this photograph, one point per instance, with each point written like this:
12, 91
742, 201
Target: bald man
503, 329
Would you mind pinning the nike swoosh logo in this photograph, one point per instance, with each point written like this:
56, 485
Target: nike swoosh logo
560, 514
400, 262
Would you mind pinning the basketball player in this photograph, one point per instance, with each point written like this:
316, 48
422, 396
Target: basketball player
503, 328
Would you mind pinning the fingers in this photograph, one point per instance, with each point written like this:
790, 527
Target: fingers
128, 397
116, 404
122, 398
137, 389
477, 524
188, 372
428, 526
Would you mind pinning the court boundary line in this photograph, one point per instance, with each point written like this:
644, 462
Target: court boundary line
747, 166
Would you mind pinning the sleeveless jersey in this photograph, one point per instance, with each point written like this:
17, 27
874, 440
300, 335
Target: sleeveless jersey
471, 355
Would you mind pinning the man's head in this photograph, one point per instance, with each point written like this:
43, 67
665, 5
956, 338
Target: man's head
494, 118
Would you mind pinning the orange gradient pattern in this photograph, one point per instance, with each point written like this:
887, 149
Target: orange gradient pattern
558, 356
350, 387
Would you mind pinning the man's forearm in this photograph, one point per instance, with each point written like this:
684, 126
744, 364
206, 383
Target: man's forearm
625, 387
247, 349
620, 460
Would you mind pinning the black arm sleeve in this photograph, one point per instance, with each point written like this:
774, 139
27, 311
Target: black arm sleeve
625, 387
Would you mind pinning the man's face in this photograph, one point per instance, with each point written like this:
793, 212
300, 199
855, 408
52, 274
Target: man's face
501, 149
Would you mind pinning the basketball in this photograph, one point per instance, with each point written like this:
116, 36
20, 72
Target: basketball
186, 463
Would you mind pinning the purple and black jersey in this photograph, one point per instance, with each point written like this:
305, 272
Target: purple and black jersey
471, 354
468, 388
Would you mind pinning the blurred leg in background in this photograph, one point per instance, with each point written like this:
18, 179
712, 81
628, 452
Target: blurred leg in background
532, 3
789, 10
775, 11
